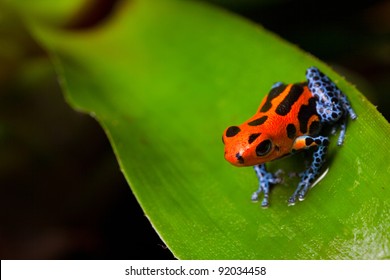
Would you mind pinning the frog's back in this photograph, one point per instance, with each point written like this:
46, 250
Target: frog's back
292, 109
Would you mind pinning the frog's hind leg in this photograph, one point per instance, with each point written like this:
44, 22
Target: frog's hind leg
332, 104
327, 94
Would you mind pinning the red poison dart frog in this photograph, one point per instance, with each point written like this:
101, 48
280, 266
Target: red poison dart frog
290, 119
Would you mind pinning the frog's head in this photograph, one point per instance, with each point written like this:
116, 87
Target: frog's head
248, 144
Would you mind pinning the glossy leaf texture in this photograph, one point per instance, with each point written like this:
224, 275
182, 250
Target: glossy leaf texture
164, 79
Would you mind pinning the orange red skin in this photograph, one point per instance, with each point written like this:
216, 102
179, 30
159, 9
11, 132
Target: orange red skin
274, 129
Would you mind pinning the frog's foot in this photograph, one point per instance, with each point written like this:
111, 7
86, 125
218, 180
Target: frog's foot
302, 188
265, 179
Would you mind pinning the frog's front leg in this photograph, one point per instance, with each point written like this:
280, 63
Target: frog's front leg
320, 144
265, 179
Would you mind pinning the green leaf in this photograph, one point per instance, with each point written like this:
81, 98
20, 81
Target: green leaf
164, 78
52, 12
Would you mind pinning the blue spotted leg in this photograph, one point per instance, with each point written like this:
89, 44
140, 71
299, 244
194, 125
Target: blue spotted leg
308, 176
265, 179
332, 104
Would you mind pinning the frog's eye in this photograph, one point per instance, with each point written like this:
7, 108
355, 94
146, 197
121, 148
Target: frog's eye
263, 148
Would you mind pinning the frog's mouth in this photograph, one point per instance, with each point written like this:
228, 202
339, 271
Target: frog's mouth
236, 159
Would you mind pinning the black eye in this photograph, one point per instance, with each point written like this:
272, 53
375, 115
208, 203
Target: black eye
263, 148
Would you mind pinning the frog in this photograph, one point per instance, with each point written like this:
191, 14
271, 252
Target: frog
291, 118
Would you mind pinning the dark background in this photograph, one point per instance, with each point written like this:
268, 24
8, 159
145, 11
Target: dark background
62, 195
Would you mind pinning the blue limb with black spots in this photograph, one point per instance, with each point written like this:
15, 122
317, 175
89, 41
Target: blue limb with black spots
332, 104
265, 179
310, 174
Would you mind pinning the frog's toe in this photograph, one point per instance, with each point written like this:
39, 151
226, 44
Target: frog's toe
255, 197
291, 201
265, 203
301, 196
